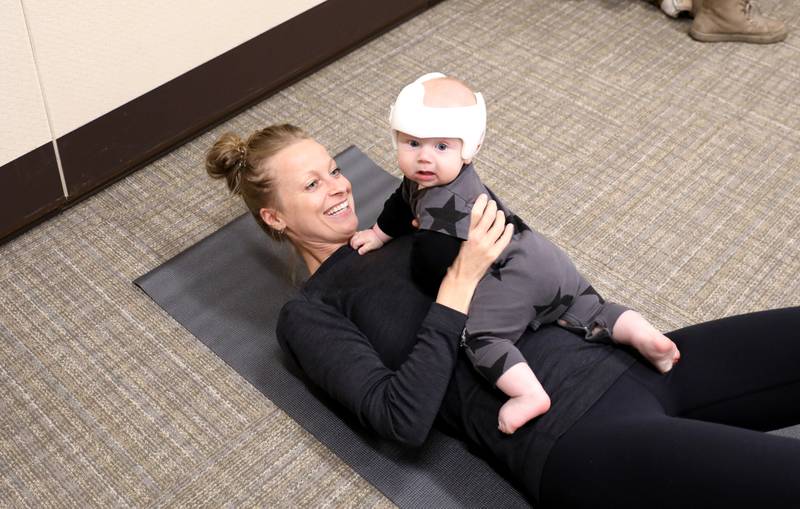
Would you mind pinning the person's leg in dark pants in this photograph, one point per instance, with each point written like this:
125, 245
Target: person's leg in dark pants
626, 452
645, 443
742, 370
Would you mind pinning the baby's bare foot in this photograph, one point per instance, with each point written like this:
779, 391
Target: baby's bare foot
520, 409
661, 352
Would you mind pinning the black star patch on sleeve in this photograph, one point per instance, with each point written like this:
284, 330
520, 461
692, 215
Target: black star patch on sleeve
493, 372
592, 291
519, 224
445, 218
558, 300
498, 266
475, 343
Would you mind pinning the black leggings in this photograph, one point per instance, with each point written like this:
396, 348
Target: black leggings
693, 437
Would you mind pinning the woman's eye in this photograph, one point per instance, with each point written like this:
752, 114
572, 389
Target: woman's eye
336, 172
441, 147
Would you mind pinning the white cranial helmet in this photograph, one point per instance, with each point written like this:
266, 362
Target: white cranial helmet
410, 115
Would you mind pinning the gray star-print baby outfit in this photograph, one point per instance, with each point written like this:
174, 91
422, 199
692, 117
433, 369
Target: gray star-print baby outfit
533, 282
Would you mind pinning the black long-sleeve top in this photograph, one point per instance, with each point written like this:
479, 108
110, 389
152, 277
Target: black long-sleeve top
374, 341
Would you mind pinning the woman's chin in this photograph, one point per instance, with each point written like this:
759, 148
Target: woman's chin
345, 223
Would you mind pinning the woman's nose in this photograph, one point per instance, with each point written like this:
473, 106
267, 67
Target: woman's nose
339, 186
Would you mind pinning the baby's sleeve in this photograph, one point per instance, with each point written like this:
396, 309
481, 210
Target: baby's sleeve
432, 253
395, 219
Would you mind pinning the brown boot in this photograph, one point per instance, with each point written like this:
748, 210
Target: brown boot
734, 21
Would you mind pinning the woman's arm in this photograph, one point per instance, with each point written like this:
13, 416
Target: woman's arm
337, 356
399, 405
488, 237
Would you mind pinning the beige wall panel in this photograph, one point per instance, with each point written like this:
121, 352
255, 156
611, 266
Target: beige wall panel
23, 121
96, 55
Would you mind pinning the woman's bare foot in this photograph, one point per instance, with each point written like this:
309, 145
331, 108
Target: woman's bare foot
660, 351
520, 409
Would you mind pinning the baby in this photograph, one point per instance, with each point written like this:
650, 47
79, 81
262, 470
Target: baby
438, 124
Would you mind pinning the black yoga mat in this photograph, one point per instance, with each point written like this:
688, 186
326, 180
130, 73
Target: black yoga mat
227, 290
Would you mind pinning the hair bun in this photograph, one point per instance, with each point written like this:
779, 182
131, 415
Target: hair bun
226, 159
242, 149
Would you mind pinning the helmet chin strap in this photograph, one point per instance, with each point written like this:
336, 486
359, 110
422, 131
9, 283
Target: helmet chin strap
409, 115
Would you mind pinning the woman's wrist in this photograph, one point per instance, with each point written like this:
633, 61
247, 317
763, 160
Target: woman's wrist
456, 290
488, 236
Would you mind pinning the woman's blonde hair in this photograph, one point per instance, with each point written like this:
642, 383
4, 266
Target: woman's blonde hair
245, 166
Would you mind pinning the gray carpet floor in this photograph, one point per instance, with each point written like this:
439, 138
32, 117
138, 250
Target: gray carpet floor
669, 169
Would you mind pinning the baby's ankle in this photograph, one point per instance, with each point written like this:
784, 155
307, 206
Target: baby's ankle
537, 399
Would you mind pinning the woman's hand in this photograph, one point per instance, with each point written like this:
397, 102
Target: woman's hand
634, 330
488, 237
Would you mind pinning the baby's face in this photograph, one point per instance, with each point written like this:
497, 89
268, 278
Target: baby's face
429, 161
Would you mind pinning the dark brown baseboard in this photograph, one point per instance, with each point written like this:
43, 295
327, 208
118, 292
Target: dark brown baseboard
30, 190
145, 128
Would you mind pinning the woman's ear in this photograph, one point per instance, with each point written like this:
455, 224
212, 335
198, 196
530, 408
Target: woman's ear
272, 218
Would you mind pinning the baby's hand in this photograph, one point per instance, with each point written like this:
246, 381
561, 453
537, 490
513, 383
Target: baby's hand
365, 241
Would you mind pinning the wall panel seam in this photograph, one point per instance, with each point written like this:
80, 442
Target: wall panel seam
44, 99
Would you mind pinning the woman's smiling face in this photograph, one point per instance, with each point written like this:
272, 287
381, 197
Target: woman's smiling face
315, 201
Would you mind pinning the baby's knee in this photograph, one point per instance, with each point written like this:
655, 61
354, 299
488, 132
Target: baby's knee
543, 402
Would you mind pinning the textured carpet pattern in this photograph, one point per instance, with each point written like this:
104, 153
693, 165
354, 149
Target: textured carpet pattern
669, 169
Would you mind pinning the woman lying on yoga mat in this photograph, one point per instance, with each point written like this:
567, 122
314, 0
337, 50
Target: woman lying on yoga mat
618, 433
